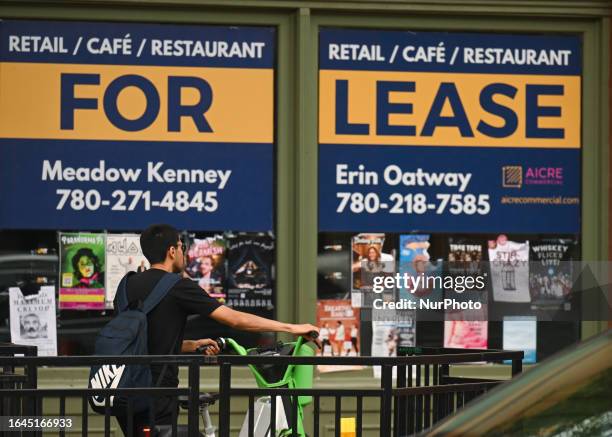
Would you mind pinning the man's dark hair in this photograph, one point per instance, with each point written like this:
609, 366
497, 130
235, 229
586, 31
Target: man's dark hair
156, 240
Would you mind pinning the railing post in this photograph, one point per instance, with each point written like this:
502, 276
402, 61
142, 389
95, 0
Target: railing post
33, 406
517, 367
444, 373
386, 384
194, 398
225, 383
400, 414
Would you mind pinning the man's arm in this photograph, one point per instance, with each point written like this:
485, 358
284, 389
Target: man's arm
193, 300
249, 322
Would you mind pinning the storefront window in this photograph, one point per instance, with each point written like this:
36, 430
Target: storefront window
446, 156
106, 128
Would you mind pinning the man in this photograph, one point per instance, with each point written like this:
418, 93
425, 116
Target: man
30, 326
165, 252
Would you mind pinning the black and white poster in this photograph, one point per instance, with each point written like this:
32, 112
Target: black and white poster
123, 254
250, 271
33, 321
509, 270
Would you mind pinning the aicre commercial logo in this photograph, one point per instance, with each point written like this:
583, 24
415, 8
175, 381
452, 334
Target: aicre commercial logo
516, 176
544, 176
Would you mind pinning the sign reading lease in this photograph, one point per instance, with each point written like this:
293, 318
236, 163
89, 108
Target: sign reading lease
113, 126
449, 132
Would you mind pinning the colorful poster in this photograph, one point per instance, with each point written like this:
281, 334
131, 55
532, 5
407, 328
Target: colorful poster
520, 333
82, 271
368, 261
119, 125
206, 265
551, 272
339, 323
509, 262
123, 255
465, 334
250, 279
33, 319
423, 277
466, 328
449, 132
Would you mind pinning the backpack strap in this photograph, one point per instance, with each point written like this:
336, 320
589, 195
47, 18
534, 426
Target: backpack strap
160, 291
122, 298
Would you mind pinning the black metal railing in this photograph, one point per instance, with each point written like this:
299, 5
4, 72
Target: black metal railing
423, 392
16, 379
34, 396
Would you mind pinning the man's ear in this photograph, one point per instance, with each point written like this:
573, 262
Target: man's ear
171, 252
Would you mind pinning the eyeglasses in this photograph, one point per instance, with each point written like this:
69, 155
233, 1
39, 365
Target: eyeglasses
181, 244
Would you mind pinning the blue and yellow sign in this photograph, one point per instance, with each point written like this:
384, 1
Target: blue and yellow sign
113, 126
449, 132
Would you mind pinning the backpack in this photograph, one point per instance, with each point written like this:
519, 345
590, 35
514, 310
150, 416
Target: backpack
126, 334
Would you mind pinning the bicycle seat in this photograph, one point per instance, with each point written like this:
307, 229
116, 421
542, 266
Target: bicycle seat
205, 400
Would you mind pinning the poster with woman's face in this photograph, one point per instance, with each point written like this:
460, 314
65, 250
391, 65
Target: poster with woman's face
367, 250
369, 260
82, 271
206, 265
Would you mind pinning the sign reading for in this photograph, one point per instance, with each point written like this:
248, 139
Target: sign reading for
109, 122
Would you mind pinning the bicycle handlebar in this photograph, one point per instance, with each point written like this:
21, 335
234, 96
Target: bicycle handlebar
222, 343
313, 334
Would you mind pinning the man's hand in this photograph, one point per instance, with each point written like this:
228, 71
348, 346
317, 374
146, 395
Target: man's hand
213, 347
193, 345
305, 330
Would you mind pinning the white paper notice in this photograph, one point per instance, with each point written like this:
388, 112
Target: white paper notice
123, 254
385, 339
509, 270
33, 321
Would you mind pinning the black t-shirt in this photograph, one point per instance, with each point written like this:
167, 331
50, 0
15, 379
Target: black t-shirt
166, 323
